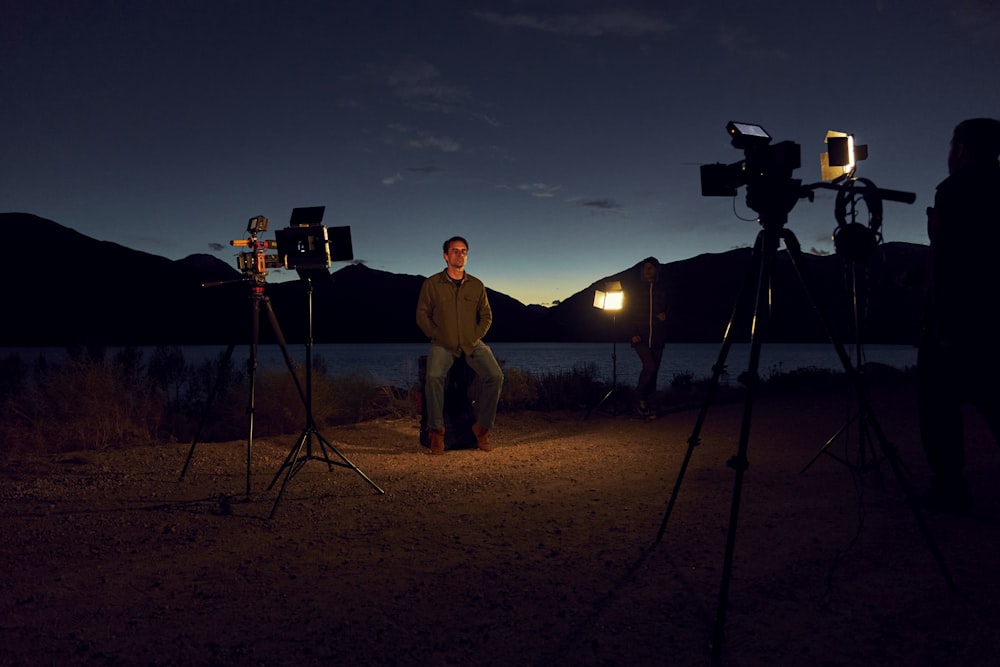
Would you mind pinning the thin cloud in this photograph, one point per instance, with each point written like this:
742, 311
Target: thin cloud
486, 118
602, 205
400, 135
444, 144
539, 189
613, 23
420, 84
392, 180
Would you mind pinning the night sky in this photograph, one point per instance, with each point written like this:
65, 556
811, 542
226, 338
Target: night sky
562, 139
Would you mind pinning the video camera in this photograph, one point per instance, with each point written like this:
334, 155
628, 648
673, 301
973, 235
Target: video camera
763, 162
305, 245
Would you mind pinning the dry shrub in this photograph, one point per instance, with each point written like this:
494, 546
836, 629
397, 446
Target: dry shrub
520, 390
81, 404
570, 390
355, 397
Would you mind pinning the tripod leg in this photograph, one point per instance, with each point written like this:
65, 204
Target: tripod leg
252, 371
826, 446
326, 445
272, 318
223, 364
866, 448
739, 462
720, 366
613, 392
293, 462
888, 449
600, 403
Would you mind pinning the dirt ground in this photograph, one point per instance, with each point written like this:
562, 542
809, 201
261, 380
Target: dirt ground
541, 552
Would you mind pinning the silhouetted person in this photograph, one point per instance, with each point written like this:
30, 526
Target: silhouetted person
957, 363
648, 331
455, 314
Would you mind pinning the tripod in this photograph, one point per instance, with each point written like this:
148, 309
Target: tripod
296, 458
866, 444
763, 259
257, 298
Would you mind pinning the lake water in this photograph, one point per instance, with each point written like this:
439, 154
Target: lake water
398, 364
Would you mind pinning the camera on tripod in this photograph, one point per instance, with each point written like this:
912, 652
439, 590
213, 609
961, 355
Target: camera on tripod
305, 245
763, 162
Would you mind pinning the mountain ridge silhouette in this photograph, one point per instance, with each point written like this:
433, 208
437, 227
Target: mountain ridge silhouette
79, 290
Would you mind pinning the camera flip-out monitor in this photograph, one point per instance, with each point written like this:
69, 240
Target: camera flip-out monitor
257, 224
747, 134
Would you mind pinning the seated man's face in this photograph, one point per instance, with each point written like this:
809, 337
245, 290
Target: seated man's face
457, 255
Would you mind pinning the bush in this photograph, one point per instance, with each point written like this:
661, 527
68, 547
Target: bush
92, 402
520, 390
84, 403
575, 389
682, 381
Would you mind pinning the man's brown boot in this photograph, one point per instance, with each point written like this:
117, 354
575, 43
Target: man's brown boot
437, 441
482, 437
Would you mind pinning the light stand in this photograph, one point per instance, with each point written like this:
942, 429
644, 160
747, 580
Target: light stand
610, 299
309, 247
297, 458
857, 243
867, 457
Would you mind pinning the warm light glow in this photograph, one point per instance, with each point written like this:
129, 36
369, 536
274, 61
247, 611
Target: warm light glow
614, 301
841, 157
611, 297
835, 171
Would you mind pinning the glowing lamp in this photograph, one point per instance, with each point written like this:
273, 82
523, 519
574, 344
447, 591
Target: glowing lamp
611, 297
841, 157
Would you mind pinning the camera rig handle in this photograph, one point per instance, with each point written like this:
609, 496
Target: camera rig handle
880, 193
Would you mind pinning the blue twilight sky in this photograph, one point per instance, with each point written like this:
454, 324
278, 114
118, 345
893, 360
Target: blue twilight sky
562, 138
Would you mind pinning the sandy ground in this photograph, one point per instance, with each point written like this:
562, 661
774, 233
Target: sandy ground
541, 552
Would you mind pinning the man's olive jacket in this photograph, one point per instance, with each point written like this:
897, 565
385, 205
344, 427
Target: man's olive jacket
456, 317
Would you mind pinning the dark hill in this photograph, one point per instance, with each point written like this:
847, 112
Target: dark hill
702, 292
68, 289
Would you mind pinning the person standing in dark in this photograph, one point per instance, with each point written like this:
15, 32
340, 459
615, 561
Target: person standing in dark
454, 313
956, 362
649, 331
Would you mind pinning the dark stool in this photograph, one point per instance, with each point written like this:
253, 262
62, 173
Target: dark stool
461, 391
